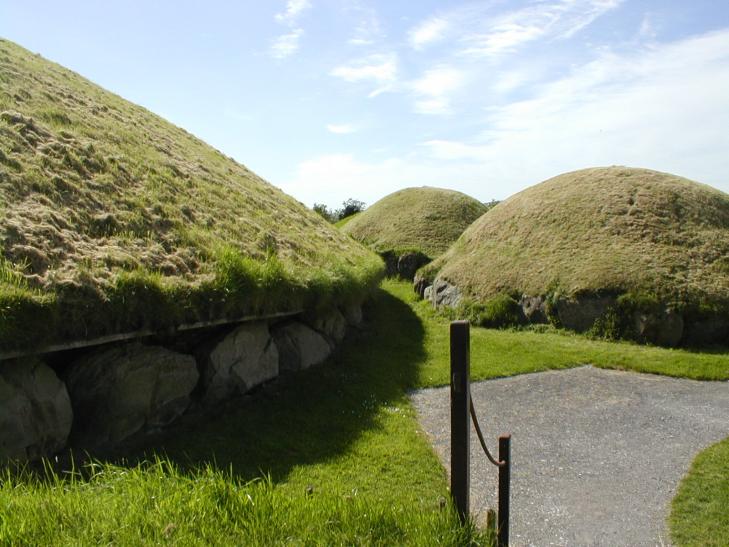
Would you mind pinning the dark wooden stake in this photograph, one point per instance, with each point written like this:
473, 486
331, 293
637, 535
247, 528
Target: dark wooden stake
460, 430
504, 487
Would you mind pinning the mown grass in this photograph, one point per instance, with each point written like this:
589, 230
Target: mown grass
423, 219
699, 515
339, 447
157, 503
114, 219
502, 352
345, 460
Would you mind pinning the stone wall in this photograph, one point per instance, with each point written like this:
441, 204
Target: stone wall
663, 326
110, 394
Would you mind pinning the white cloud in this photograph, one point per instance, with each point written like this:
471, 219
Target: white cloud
286, 44
428, 32
664, 108
434, 88
334, 178
341, 129
557, 19
379, 68
368, 29
291, 13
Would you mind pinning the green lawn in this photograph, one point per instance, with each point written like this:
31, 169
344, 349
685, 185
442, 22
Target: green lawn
344, 458
700, 510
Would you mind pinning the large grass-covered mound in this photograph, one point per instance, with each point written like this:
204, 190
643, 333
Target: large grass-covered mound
112, 219
424, 219
653, 239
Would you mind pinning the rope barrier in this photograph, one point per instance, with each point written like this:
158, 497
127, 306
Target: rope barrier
480, 435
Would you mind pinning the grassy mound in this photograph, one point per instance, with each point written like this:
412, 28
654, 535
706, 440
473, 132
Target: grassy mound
425, 220
649, 237
112, 219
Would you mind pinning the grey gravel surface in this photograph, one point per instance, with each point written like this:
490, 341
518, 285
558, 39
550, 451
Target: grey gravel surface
597, 454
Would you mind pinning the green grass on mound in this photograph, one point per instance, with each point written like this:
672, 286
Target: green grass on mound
603, 230
112, 219
422, 219
699, 515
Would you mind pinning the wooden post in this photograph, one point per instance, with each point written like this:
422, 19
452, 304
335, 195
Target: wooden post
504, 488
460, 426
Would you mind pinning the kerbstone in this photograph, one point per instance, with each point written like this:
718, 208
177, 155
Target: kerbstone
122, 390
36, 415
244, 359
299, 346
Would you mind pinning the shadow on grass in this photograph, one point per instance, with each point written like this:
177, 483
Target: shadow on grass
308, 417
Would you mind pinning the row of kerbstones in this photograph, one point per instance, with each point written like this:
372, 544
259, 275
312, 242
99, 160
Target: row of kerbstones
116, 392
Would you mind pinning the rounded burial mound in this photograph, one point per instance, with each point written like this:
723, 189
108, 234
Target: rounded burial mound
415, 223
112, 220
627, 252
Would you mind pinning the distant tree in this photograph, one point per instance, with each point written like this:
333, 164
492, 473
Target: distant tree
350, 207
492, 203
329, 216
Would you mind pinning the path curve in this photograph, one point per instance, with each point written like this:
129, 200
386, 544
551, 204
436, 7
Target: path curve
597, 454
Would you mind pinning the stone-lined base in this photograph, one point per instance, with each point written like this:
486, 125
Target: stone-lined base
115, 392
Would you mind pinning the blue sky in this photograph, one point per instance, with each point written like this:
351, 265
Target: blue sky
355, 98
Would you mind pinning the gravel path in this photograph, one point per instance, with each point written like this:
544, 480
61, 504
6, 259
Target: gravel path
597, 454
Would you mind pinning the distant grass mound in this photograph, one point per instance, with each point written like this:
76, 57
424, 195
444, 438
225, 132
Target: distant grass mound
112, 219
640, 240
412, 226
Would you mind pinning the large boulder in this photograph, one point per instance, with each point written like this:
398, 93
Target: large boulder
299, 346
580, 312
409, 263
352, 314
445, 294
332, 324
534, 308
122, 390
664, 328
242, 360
35, 411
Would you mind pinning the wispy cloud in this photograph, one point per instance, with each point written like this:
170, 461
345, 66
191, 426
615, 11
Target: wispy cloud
291, 13
288, 43
433, 89
368, 29
617, 109
556, 19
341, 129
380, 69
428, 32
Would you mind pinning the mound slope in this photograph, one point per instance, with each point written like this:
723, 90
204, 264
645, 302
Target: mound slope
422, 219
112, 219
602, 231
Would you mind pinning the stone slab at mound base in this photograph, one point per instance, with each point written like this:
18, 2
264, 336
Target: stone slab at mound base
299, 346
122, 390
35, 411
242, 360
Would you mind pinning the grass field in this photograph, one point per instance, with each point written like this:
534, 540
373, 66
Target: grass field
344, 456
699, 515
